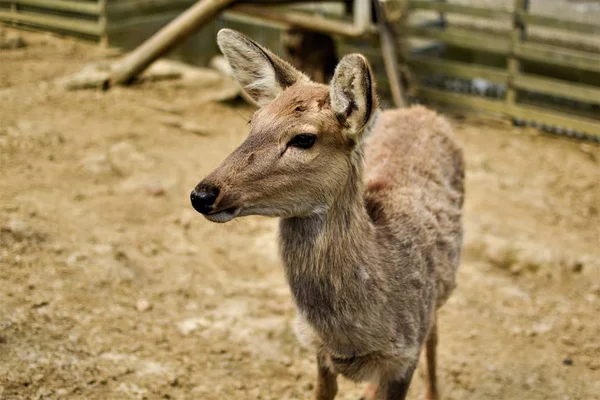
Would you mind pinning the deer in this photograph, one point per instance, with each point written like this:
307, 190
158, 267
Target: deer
313, 53
369, 203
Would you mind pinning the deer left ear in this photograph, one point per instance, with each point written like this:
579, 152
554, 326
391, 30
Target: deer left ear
353, 93
261, 74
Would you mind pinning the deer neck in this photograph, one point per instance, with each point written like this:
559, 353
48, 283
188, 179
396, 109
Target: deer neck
329, 256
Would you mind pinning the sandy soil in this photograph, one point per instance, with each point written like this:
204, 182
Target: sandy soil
111, 287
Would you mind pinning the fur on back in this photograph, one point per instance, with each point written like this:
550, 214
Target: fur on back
414, 177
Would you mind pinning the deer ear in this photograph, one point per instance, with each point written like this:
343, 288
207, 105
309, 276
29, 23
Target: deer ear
261, 74
353, 94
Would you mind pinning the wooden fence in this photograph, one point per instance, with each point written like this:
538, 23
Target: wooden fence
533, 75
81, 17
550, 84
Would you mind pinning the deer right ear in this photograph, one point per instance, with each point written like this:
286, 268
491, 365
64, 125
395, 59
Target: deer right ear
353, 94
261, 74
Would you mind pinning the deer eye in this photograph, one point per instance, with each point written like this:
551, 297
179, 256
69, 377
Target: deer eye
303, 141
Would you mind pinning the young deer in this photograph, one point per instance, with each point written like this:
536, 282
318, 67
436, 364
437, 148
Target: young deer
370, 206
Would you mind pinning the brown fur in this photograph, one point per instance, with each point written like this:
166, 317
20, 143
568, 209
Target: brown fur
370, 218
311, 52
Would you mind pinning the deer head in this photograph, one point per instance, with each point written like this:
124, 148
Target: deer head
298, 155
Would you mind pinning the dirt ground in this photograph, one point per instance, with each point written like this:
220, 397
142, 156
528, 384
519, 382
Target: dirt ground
112, 287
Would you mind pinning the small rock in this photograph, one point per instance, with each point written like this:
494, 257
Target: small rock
186, 218
155, 189
188, 126
567, 361
590, 298
17, 226
567, 341
143, 305
103, 249
125, 159
163, 106
11, 42
75, 258
40, 304
286, 361
189, 325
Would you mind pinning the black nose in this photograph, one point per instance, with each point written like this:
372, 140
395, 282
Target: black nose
203, 198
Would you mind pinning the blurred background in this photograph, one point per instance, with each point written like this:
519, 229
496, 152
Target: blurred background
113, 287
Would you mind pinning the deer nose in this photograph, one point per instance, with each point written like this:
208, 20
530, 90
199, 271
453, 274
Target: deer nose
203, 198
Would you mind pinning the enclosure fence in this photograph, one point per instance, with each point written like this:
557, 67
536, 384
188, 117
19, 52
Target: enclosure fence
549, 83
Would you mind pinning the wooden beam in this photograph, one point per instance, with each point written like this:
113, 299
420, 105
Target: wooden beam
559, 88
556, 118
60, 5
525, 112
452, 8
91, 28
458, 69
463, 100
559, 56
465, 39
304, 20
558, 23
389, 54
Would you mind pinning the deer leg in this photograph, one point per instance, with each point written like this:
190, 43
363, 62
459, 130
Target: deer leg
397, 389
430, 353
326, 381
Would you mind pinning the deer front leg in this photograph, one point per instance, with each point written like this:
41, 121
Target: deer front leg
326, 380
396, 389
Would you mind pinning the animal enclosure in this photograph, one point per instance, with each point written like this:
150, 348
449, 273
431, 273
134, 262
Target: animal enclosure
112, 287
492, 58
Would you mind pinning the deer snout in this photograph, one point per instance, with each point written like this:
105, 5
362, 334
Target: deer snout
203, 198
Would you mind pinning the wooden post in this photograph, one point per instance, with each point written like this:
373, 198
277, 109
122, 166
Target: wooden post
517, 35
390, 56
443, 19
164, 40
102, 21
13, 9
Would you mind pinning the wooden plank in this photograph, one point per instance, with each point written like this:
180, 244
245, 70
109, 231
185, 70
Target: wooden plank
458, 69
556, 118
463, 100
305, 21
520, 111
452, 8
59, 5
559, 56
555, 87
558, 23
465, 39
113, 28
517, 36
66, 24
123, 10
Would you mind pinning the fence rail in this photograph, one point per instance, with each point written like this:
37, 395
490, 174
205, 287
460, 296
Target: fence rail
70, 16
